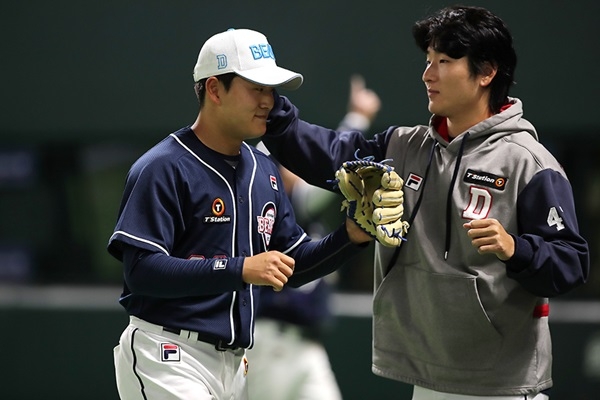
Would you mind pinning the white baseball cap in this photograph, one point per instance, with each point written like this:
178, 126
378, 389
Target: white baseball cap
246, 53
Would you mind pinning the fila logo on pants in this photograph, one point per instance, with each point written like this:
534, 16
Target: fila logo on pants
169, 352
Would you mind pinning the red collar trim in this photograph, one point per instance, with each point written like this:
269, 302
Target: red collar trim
441, 124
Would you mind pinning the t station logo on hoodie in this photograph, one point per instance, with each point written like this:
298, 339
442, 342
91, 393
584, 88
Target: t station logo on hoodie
485, 179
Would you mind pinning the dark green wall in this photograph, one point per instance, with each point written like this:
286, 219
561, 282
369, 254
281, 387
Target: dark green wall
74, 73
95, 70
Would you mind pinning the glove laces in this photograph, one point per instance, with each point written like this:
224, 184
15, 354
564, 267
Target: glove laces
369, 160
364, 161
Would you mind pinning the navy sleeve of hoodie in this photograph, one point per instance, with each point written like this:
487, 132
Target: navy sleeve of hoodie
550, 257
312, 152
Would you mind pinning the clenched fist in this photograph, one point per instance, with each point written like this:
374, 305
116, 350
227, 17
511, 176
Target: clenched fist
271, 268
489, 236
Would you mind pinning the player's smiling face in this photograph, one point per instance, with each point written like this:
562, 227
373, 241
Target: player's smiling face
247, 106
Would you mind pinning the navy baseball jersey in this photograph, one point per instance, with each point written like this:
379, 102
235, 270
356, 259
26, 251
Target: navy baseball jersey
196, 214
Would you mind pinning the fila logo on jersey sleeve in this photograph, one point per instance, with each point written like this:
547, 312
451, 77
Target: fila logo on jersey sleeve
273, 180
169, 352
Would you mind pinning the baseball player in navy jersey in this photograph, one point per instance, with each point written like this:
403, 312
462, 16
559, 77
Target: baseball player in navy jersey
461, 307
204, 221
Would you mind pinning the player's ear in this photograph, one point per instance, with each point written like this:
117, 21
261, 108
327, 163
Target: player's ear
489, 72
212, 90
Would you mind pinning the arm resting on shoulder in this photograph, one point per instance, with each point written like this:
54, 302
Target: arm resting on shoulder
312, 152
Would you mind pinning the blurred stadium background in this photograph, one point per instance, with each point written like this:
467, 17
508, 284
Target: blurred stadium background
88, 86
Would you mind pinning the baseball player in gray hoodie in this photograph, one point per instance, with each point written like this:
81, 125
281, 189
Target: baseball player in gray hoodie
461, 308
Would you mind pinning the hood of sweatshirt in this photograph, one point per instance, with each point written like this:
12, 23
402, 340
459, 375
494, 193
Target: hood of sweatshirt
508, 121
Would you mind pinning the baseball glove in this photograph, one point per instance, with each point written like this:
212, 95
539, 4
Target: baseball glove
374, 199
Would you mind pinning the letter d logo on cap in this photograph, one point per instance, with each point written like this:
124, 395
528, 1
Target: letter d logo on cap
221, 61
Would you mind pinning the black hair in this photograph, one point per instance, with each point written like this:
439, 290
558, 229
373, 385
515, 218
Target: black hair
200, 86
480, 35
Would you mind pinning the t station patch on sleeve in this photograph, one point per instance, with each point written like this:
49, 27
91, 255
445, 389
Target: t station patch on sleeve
485, 179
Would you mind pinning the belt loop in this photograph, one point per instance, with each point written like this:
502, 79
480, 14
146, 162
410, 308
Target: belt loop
193, 336
221, 346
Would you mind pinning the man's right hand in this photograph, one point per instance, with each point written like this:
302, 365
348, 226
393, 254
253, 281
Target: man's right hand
271, 268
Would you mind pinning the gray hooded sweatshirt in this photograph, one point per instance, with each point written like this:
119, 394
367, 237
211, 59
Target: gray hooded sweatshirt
444, 316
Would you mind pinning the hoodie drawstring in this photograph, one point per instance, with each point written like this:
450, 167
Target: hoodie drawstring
450, 190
